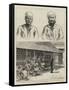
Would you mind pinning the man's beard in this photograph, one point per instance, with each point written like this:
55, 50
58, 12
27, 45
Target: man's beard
52, 23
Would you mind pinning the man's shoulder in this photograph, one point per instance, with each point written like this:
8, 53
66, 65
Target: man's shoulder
58, 26
34, 27
46, 26
21, 26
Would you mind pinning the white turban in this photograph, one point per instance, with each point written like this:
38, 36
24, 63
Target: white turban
51, 14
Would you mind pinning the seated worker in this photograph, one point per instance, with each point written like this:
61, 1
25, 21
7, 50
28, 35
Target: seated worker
24, 74
36, 69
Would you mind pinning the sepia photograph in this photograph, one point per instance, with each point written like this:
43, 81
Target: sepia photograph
40, 47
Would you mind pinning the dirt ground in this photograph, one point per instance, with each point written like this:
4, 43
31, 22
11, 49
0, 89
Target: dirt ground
58, 75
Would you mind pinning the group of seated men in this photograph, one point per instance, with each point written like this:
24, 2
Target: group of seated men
30, 68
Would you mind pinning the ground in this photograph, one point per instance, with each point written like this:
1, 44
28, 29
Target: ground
47, 77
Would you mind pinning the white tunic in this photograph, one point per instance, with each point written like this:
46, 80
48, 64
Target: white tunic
26, 33
54, 33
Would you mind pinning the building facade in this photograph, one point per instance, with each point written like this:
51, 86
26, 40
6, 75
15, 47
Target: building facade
42, 52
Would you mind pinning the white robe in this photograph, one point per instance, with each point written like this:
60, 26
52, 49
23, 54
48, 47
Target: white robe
55, 34
23, 33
